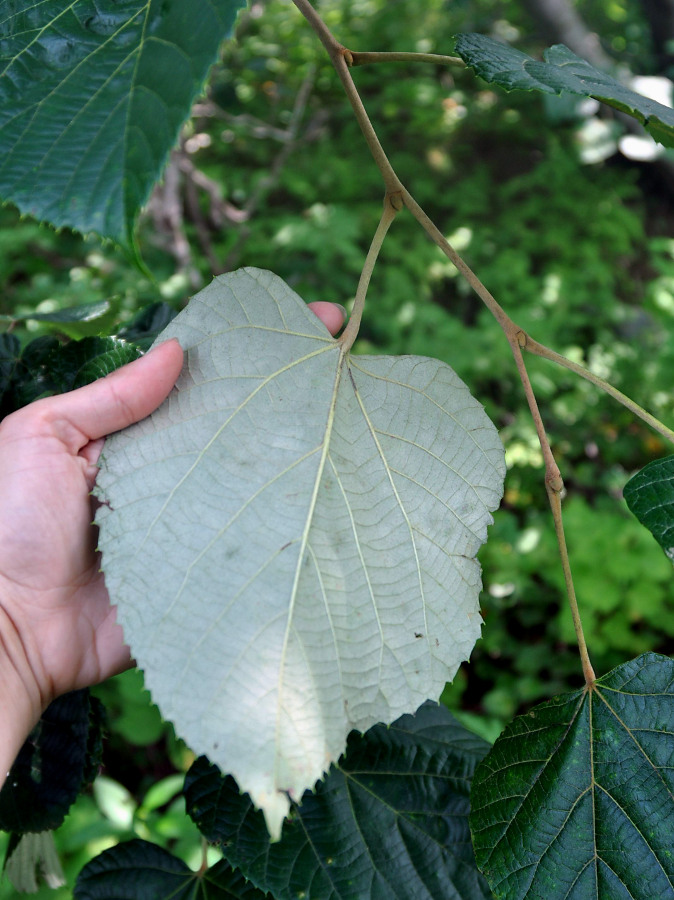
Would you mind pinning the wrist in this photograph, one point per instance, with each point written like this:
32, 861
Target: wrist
20, 699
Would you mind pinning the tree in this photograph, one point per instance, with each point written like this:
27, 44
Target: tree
585, 756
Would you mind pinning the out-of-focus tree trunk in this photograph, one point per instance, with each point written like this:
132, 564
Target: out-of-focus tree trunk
660, 15
559, 23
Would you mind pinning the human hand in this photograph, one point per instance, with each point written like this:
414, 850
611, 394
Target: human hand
57, 628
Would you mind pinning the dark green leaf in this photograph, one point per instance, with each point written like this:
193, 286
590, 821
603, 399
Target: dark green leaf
390, 821
650, 496
562, 71
147, 324
52, 766
576, 800
81, 362
32, 378
92, 96
138, 870
10, 350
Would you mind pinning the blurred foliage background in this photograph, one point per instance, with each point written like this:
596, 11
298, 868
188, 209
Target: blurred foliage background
561, 210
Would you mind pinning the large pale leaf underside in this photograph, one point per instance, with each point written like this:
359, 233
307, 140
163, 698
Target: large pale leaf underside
290, 539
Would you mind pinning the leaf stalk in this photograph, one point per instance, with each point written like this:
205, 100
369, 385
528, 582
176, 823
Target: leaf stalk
392, 204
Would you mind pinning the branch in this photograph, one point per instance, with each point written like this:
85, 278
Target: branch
359, 58
541, 350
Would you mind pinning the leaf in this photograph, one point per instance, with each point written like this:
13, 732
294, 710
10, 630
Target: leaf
562, 71
389, 821
576, 800
138, 870
10, 349
85, 312
650, 497
31, 857
81, 362
147, 324
92, 95
53, 765
290, 538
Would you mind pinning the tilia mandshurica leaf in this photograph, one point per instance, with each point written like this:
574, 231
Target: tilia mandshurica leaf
290, 539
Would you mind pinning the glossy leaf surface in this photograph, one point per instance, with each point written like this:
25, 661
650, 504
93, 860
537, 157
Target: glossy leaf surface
650, 496
92, 94
576, 798
291, 538
561, 71
389, 821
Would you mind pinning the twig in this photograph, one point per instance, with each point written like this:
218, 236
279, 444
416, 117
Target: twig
342, 59
359, 58
541, 350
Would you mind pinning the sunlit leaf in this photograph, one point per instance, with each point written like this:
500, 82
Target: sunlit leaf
561, 71
291, 538
576, 798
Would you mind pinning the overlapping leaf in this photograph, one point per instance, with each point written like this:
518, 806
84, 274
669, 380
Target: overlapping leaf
290, 539
92, 94
650, 496
139, 870
390, 821
58, 759
576, 798
561, 71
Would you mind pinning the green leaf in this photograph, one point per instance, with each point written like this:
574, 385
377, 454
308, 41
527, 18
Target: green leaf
147, 324
650, 496
562, 71
290, 539
92, 95
389, 821
85, 312
139, 870
30, 858
81, 362
576, 800
10, 350
53, 765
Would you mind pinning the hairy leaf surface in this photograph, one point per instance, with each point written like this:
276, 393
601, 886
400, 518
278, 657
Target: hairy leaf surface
92, 94
561, 71
390, 821
291, 537
650, 496
139, 870
576, 798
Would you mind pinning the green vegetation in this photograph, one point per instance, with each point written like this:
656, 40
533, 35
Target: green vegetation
272, 171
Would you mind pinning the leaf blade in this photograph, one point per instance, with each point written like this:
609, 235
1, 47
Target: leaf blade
91, 100
390, 820
561, 71
553, 801
650, 497
348, 597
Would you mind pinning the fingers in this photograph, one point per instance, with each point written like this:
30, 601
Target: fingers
120, 399
131, 393
332, 315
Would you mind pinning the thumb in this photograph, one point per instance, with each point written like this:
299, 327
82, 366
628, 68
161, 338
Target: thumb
120, 399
